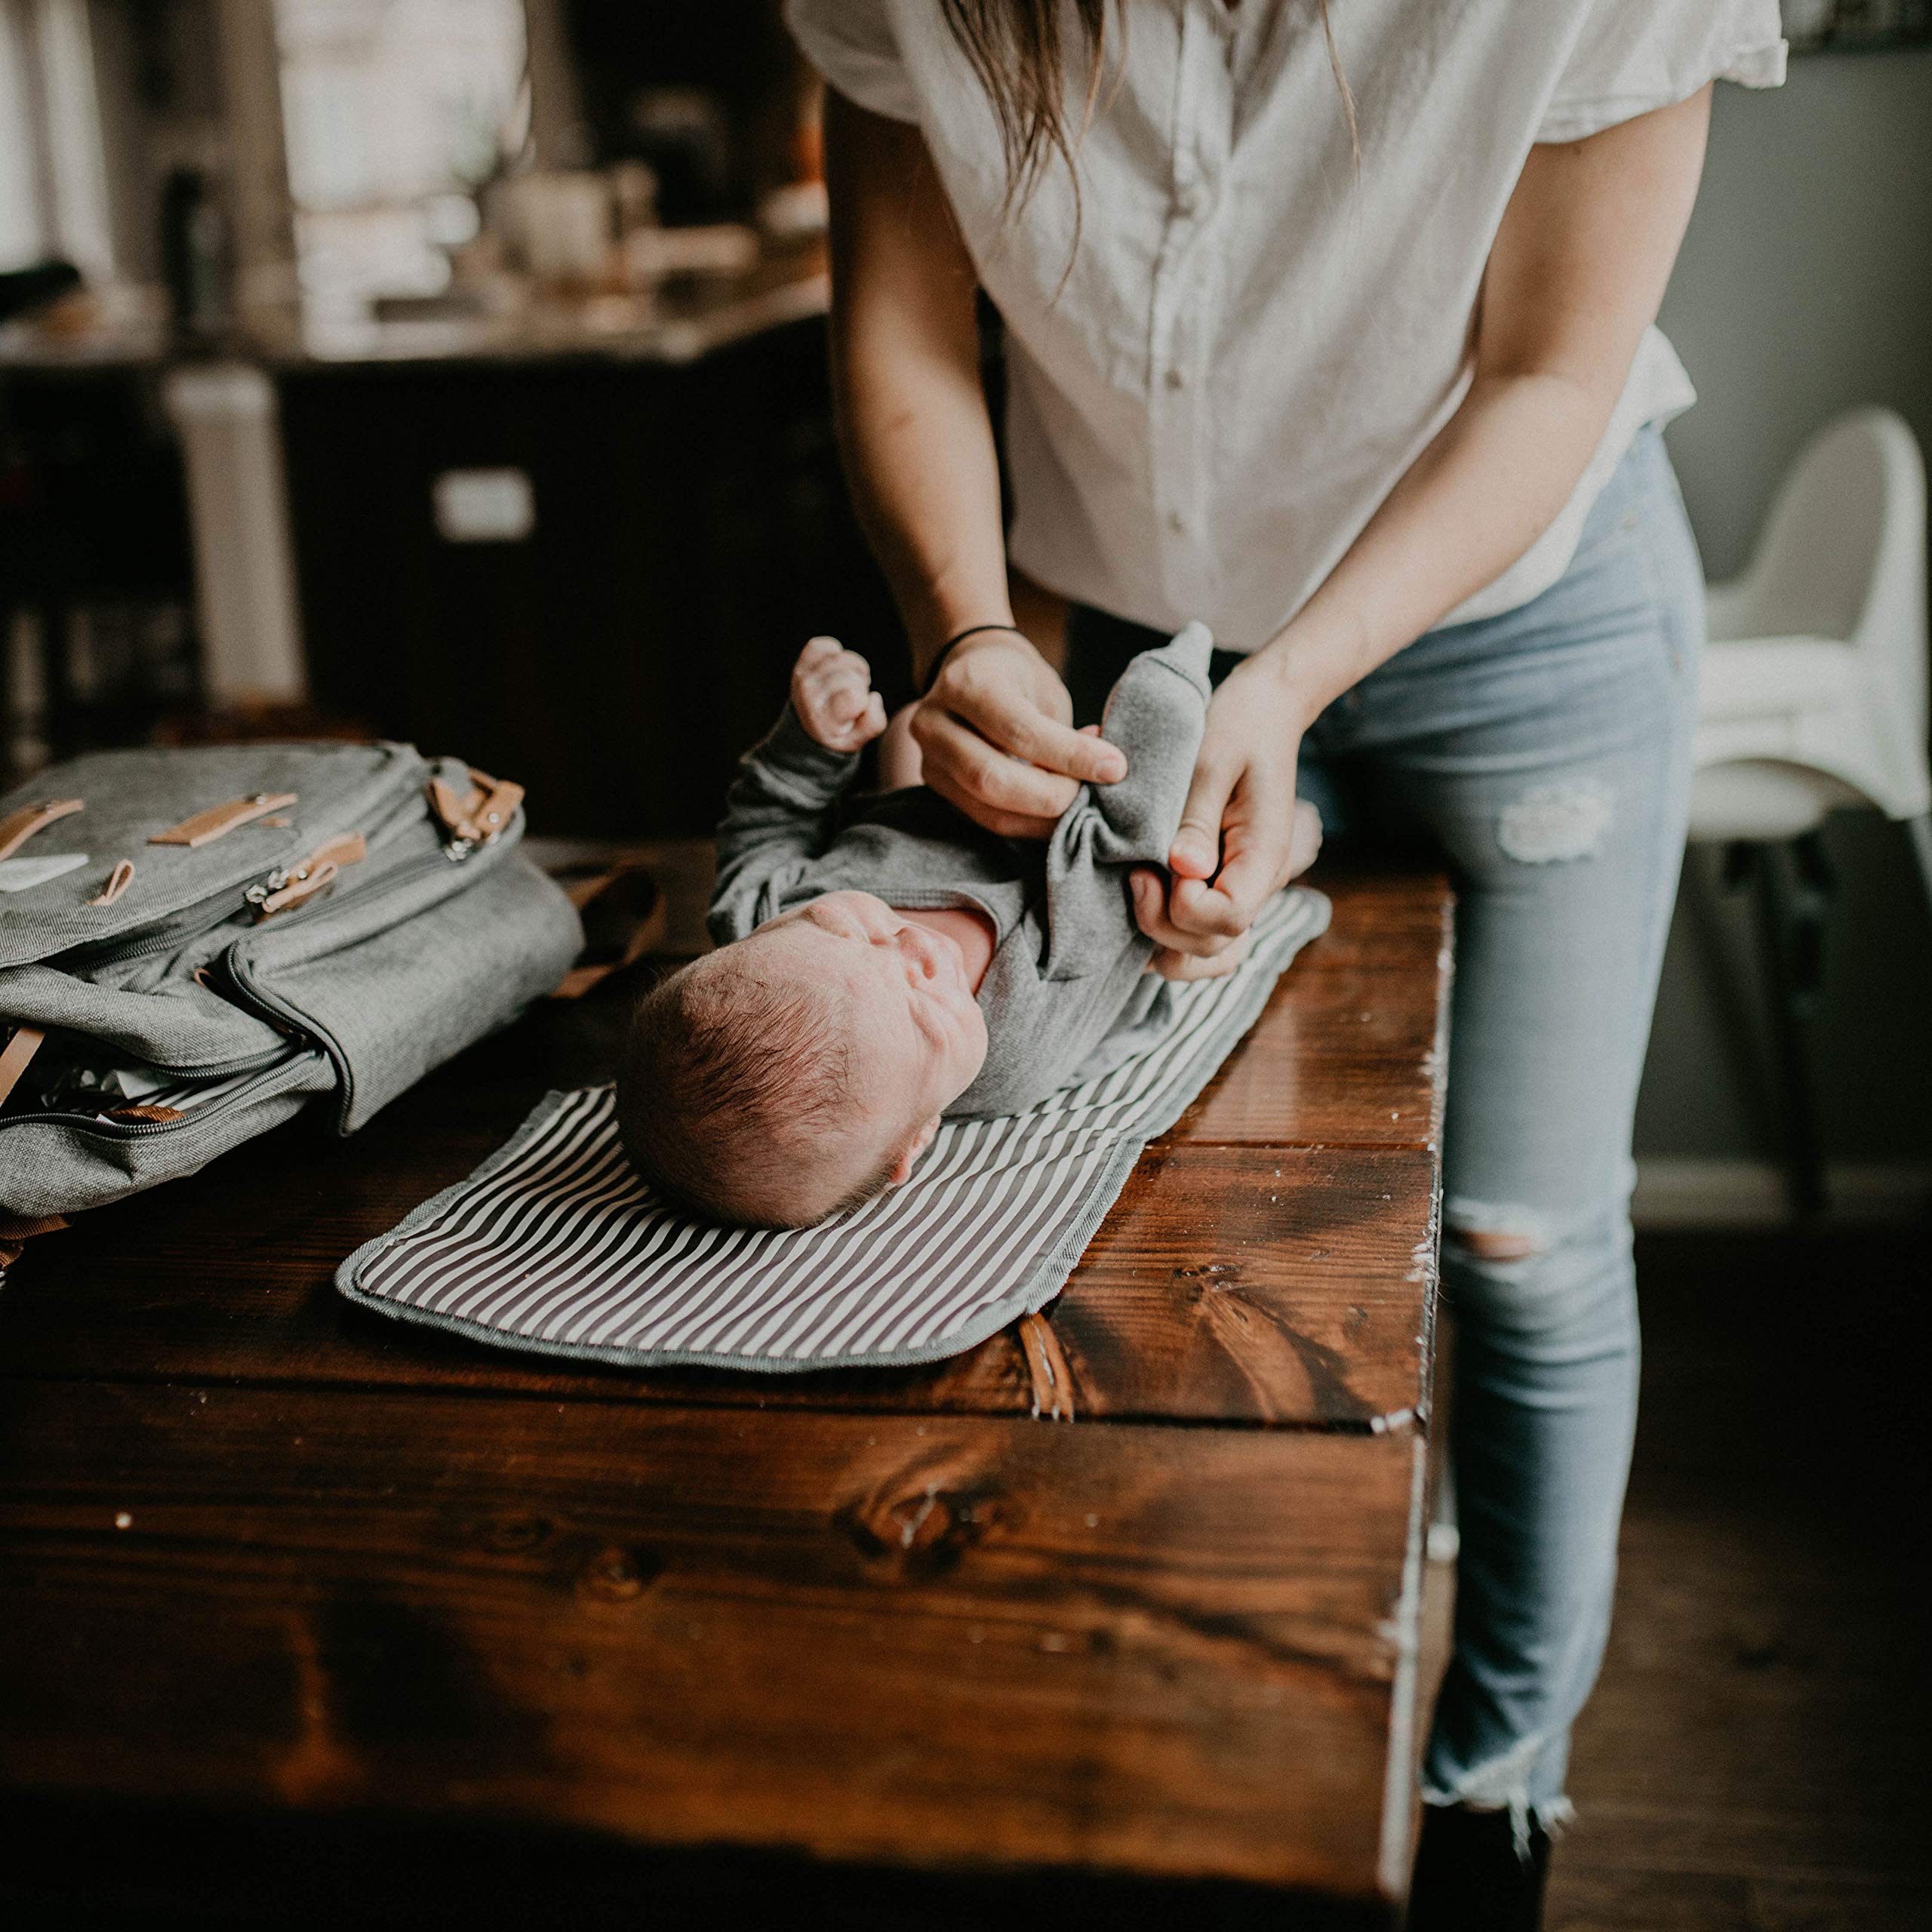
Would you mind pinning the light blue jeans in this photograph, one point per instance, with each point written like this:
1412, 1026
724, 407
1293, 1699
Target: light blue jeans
1546, 753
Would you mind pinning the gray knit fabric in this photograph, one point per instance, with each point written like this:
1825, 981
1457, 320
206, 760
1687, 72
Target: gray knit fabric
1067, 995
231, 1022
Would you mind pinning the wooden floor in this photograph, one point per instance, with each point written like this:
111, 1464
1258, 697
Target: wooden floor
1755, 1759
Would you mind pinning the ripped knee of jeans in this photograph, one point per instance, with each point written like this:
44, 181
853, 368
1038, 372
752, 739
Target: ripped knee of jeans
1495, 1235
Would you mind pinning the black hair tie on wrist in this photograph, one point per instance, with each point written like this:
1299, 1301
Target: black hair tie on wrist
959, 637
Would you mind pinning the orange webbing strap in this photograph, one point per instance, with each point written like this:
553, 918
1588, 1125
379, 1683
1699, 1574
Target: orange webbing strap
1046, 1365
17, 1230
16, 1055
628, 916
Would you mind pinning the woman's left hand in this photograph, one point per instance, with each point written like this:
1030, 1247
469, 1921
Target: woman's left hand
1241, 837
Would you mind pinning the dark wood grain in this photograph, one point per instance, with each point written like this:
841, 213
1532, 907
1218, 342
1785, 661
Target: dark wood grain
1251, 1284
1245, 1282
1145, 1649
1352, 1049
884, 1619
1230, 1284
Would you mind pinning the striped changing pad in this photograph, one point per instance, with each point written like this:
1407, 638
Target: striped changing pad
554, 1245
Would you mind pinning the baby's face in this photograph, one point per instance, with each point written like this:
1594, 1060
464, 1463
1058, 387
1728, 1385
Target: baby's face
923, 1038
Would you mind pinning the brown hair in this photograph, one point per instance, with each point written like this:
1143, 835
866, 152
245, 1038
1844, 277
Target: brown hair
1014, 47
725, 1079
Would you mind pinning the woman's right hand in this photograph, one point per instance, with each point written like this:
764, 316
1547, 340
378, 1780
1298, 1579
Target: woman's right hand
995, 737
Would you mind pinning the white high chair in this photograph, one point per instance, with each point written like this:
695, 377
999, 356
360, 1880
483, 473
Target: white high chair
1814, 699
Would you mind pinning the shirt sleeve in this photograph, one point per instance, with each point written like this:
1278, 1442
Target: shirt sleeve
778, 818
1635, 55
854, 44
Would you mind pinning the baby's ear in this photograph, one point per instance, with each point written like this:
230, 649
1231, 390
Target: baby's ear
902, 1171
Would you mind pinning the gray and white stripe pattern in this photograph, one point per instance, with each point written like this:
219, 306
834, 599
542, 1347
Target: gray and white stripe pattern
554, 1246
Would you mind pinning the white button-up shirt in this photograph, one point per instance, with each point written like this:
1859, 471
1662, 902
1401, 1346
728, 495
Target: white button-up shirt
1210, 395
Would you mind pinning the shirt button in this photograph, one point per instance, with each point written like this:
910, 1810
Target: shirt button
1176, 379
1191, 200
1177, 523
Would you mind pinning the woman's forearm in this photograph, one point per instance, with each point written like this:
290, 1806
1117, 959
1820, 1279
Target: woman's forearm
918, 456
913, 426
1486, 487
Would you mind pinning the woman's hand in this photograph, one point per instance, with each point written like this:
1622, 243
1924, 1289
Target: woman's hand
995, 737
1242, 835
831, 692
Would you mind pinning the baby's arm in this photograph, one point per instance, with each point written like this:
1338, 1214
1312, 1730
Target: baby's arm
778, 812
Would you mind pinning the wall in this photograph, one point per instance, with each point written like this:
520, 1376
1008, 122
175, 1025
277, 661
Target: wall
1805, 287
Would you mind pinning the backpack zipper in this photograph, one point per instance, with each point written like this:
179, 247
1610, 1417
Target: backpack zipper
203, 915
130, 1130
279, 1012
303, 1030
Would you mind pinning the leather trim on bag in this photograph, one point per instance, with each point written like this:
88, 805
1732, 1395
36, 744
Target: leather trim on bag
219, 821
482, 813
17, 1054
16, 828
297, 884
118, 880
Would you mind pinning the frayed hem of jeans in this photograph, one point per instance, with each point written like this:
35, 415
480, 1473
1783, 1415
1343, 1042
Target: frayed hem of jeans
1552, 1818
1503, 1785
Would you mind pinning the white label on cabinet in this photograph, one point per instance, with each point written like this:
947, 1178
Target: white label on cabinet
483, 505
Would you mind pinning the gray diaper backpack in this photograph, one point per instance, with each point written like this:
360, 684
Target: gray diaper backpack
195, 944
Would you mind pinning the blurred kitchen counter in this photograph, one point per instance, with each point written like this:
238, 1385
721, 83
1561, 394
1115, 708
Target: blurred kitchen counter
682, 320
580, 542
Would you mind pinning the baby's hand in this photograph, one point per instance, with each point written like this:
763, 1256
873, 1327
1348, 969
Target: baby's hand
831, 692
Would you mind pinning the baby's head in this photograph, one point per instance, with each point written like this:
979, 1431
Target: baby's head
799, 1072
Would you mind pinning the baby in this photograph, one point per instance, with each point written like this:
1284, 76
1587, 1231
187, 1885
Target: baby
883, 962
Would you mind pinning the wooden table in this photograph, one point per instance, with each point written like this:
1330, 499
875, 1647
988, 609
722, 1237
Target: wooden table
265, 1556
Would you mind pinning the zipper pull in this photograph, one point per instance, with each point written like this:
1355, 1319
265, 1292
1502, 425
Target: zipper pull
289, 886
474, 820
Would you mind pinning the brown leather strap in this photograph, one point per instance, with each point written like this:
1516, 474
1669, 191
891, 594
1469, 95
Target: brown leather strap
626, 898
346, 848
16, 1055
477, 816
118, 880
159, 1116
16, 828
219, 821
1052, 1379
314, 874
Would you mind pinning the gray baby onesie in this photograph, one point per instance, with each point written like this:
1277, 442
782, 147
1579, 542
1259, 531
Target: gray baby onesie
1067, 991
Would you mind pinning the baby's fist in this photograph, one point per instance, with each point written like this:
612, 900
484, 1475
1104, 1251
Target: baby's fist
831, 692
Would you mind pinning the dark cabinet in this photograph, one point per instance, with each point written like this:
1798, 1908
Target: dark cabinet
627, 558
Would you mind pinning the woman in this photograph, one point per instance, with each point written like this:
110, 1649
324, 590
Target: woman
1332, 326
